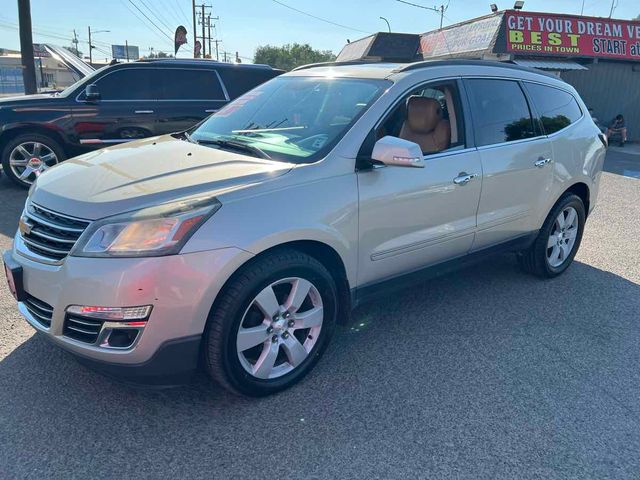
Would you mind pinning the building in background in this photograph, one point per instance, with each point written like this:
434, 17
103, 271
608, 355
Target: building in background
600, 57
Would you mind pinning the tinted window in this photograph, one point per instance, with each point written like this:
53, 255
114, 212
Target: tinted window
239, 80
557, 109
183, 84
500, 111
130, 84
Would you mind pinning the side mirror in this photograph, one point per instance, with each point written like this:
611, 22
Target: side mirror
396, 151
91, 93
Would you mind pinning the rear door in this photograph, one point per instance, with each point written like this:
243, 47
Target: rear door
516, 160
187, 95
125, 111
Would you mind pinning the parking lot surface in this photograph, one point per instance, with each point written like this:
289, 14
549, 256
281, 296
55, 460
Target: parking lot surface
486, 373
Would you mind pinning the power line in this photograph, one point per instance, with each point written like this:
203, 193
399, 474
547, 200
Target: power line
157, 16
318, 18
151, 21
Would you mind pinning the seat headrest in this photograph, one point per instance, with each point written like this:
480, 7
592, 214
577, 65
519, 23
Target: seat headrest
423, 114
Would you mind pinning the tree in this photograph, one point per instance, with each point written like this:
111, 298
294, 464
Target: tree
291, 56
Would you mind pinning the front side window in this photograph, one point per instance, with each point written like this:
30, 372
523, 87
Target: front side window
500, 111
557, 108
130, 84
184, 84
292, 119
430, 116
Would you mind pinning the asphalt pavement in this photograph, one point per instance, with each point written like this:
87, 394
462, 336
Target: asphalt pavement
486, 373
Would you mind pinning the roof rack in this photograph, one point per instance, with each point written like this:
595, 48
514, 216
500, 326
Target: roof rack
332, 64
460, 61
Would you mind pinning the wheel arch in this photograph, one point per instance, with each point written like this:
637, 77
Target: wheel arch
580, 189
10, 133
323, 253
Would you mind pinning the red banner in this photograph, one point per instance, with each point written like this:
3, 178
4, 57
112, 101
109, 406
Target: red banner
567, 35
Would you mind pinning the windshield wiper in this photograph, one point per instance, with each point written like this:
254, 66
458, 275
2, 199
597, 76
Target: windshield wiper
235, 145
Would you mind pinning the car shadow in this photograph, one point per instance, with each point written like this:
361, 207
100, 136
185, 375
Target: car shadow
448, 336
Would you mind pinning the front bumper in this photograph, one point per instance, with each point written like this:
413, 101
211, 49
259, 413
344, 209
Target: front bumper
181, 289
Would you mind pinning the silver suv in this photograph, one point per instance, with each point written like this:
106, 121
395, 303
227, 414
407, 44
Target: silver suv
240, 244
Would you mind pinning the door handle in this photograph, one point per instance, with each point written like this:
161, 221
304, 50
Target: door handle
542, 162
143, 112
464, 178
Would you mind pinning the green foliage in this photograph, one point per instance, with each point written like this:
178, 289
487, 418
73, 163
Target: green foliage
291, 56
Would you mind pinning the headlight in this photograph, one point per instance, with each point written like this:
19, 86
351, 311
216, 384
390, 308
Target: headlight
151, 232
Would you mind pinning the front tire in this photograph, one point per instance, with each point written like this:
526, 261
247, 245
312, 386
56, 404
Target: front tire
558, 240
26, 156
270, 324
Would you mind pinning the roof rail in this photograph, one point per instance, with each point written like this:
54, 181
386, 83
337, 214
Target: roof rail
460, 61
335, 64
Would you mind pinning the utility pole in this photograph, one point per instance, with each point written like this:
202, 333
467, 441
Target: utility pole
126, 49
204, 45
442, 9
195, 36
26, 47
90, 47
75, 43
217, 42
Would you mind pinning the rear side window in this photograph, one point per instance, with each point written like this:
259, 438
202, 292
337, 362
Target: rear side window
183, 84
130, 84
500, 111
557, 108
239, 79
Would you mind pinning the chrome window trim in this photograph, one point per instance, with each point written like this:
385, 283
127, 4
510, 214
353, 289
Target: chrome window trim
222, 85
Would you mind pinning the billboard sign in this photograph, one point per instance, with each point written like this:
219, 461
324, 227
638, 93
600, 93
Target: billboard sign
570, 35
462, 38
124, 52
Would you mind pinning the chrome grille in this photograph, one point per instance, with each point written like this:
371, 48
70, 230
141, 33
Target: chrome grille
82, 329
50, 234
41, 311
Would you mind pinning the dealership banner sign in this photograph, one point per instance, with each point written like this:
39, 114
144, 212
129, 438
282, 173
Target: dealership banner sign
568, 35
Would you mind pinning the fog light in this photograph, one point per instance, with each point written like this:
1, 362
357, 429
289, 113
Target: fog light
111, 313
122, 338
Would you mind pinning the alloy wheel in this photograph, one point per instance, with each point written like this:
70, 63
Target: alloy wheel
29, 159
563, 237
280, 328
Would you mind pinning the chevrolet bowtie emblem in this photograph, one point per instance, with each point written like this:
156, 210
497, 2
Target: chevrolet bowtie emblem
24, 227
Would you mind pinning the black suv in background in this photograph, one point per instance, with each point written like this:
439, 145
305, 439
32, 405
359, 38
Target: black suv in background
116, 104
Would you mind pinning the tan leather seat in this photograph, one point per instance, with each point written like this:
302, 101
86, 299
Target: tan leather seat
425, 126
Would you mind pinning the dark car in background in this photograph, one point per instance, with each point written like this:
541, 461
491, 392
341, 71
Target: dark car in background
116, 104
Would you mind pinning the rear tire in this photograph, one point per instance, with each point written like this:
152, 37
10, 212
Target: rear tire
26, 156
257, 342
558, 240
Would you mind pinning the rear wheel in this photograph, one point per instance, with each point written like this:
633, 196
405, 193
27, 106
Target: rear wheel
27, 156
271, 324
558, 240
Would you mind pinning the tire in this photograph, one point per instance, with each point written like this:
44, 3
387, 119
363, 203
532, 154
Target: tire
547, 261
49, 153
237, 307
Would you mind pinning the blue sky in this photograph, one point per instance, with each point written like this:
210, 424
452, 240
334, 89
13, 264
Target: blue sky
245, 24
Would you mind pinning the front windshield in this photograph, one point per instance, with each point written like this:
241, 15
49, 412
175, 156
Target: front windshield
71, 88
292, 119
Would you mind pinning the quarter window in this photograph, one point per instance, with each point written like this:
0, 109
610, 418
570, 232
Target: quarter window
131, 84
500, 111
183, 84
557, 108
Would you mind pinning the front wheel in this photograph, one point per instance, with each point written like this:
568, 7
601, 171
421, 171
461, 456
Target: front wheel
27, 156
559, 239
271, 324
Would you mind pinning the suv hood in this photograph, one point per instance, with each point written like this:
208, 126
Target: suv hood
145, 173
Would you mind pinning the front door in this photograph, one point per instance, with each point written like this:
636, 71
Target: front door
516, 161
415, 217
127, 109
